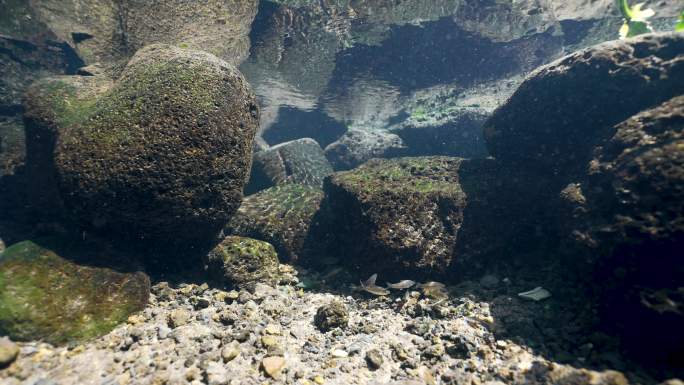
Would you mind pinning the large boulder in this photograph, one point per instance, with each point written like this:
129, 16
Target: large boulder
299, 161
109, 32
46, 297
433, 216
241, 262
631, 218
398, 215
563, 110
281, 215
161, 153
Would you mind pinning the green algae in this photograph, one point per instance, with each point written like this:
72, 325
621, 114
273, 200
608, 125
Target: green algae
419, 174
280, 215
45, 297
240, 261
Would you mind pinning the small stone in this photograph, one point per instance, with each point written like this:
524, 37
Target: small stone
199, 302
227, 317
273, 366
230, 351
331, 316
339, 353
232, 295
268, 341
179, 317
489, 281
319, 380
272, 329
399, 352
9, 351
374, 359
136, 319
163, 332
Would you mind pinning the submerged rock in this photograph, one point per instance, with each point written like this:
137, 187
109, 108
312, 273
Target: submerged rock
357, 146
331, 316
46, 297
161, 153
8, 352
632, 219
12, 145
399, 214
110, 32
239, 261
299, 161
280, 215
563, 110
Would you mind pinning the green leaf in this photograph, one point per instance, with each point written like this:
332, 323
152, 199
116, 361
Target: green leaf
680, 26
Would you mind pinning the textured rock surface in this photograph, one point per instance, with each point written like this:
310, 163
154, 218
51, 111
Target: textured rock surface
12, 145
397, 215
110, 33
280, 215
9, 351
163, 152
240, 262
331, 316
46, 297
357, 146
406, 334
300, 161
578, 98
631, 217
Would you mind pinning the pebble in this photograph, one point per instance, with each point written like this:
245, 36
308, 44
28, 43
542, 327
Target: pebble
273, 366
230, 351
331, 316
339, 353
8, 351
179, 317
374, 359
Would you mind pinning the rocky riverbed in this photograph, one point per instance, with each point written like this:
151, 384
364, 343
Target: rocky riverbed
194, 334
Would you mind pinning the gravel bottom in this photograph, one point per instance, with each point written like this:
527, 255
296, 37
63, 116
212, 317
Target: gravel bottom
193, 334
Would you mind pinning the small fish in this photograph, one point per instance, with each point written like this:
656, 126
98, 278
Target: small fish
431, 285
370, 286
401, 285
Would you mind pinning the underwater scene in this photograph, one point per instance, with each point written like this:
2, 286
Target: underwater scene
333, 192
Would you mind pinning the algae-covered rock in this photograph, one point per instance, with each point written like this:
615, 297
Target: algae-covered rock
161, 153
109, 32
632, 219
12, 145
46, 297
564, 109
331, 316
240, 261
299, 161
397, 215
280, 215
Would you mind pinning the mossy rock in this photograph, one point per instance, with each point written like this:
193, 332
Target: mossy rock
630, 220
239, 262
395, 216
280, 215
161, 153
563, 110
46, 297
